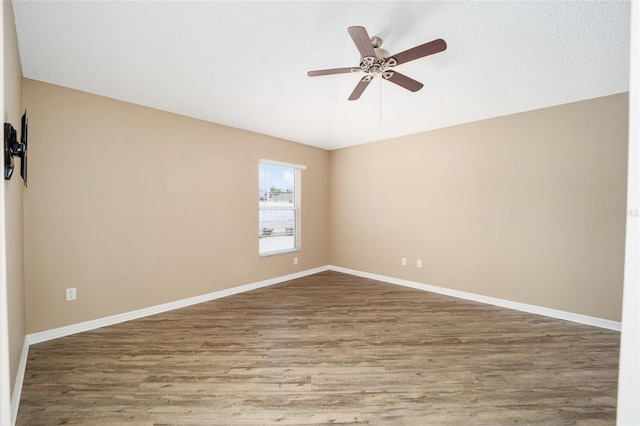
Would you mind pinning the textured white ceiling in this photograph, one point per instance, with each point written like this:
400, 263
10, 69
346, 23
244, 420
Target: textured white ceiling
244, 64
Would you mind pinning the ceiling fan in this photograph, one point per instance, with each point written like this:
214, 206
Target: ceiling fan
377, 62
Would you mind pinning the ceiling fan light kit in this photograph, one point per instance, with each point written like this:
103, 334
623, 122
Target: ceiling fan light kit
376, 62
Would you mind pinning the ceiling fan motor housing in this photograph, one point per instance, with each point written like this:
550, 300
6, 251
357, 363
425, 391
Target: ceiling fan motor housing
378, 65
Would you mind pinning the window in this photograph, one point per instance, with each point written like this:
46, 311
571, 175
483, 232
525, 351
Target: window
279, 207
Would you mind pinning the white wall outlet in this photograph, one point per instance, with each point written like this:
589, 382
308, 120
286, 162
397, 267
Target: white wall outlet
295, 260
404, 261
419, 263
70, 294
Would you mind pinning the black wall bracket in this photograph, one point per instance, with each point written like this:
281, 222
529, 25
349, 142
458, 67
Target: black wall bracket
15, 148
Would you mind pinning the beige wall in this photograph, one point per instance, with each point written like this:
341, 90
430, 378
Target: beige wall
13, 192
136, 207
528, 207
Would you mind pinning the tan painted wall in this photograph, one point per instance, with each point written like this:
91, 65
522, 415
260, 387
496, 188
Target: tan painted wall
13, 192
136, 207
528, 207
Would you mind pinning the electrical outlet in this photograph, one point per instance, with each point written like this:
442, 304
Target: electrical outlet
419, 263
404, 261
70, 294
295, 260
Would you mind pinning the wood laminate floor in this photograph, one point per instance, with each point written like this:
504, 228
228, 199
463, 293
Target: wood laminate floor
327, 348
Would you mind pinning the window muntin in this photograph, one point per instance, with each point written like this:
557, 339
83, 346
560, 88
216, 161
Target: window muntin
278, 207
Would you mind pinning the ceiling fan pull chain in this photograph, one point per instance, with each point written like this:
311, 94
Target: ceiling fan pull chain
380, 102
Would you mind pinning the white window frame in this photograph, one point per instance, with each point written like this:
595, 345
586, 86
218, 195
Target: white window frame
297, 207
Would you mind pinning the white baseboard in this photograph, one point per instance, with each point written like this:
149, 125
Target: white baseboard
553, 313
43, 336
17, 387
152, 310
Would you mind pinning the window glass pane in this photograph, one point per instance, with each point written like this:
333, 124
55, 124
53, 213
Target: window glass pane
279, 208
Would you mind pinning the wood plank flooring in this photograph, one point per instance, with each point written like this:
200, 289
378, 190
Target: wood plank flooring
327, 348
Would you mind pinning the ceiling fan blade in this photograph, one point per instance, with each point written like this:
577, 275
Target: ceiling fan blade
333, 71
403, 81
357, 92
421, 51
362, 41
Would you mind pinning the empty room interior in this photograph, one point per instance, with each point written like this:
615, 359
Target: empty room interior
445, 230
